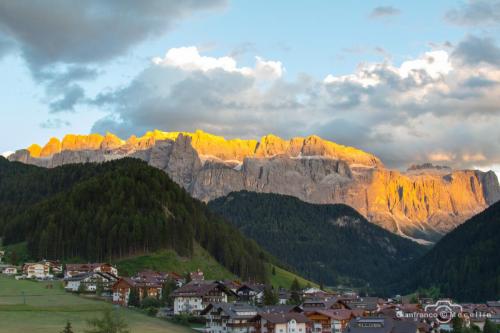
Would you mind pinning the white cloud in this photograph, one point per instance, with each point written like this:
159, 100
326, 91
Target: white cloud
434, 108
7, 153
189, 59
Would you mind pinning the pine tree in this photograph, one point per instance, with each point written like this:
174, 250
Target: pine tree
270, 297
67, 328
295, 290
133, 298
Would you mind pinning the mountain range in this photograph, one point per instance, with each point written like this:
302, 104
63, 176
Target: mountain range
423, 203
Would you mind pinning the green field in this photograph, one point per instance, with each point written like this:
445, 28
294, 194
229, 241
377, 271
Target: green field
169, 260
47, 310
284, 278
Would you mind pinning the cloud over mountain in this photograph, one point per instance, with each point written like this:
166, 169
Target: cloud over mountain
440, 107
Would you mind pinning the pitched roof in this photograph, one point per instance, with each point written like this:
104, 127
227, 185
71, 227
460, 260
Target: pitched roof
83, 267
197, 288
280, 318
233, 310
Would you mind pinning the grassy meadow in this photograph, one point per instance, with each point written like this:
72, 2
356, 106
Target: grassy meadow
46, 310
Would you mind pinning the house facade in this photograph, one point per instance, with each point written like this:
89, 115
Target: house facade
77, 269
37, 270
10, 270
229, 318
290, 322
194, 297
90, 282
121, 290
251, 293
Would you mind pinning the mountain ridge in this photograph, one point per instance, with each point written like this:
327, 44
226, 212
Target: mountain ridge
333, 244
422, 203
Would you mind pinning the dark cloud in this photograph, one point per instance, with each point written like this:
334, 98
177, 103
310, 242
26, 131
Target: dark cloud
54, 123
71, 96
384, 11
476, 13
89, 31
475, 50
62, 40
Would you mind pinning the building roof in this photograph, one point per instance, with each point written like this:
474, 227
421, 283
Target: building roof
337, 314
233, 310
83, 276
280, 318
197, 289
380, 325
280, 308
84, 267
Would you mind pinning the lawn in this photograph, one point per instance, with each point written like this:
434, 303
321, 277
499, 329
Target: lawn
169, 260
284, 278
27, 306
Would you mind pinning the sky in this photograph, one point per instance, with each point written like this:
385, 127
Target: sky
410, 81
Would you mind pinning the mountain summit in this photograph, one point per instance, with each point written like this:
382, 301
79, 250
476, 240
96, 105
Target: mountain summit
422, 203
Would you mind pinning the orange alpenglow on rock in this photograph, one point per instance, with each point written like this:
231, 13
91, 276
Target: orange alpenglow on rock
111, 142
82, 142
210, 145
34, 150
52, 147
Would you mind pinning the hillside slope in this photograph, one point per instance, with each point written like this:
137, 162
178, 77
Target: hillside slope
465, 264
332, 244
112, 210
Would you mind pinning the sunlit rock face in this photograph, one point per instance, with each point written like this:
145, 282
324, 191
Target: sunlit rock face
422, 203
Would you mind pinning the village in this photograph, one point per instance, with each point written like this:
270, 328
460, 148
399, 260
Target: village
247, 307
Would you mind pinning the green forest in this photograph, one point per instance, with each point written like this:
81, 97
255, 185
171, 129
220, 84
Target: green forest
112, 210
331, 244
464, 264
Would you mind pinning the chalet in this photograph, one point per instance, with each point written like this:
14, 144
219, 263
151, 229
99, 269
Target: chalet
9, 270
251, 293
231, 285
36, 270
229, 317
370, 305
197, 275
55, 266
145, 288
330, 321
284, 296
313, 304
77, 269
90, 282
195, 296
281, 323
380, 325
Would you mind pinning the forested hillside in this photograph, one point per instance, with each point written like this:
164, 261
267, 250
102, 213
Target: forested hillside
332, 244
465, 264
112, 210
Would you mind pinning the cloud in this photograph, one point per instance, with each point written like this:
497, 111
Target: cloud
476, 13
61, 40
476, 50
384, 11
54, 123
435, 107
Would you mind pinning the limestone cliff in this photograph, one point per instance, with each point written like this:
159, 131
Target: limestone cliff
423, 203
